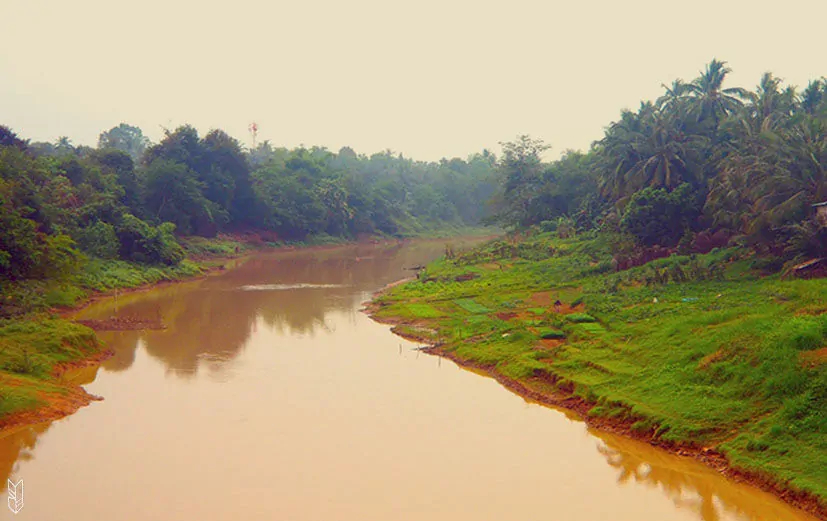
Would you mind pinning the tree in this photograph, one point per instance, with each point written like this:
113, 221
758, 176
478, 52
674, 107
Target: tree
173, 193
9, 139
657, 216
520, 169
64, 146
710, 99
126, 138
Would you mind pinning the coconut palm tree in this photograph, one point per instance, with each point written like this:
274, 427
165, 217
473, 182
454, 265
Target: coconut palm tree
710, 99
814, 97
675, 95
651, 148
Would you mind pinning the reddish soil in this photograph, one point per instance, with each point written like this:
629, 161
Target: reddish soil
56, 405
545, 299
549, 344
814, 358
542, 299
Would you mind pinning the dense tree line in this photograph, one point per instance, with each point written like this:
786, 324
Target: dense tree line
702, 160
129, 199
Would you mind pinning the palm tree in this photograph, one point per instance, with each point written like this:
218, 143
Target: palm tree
814, 96
674, 96
710, 99
650, 148
768, 109
773, 178
64, 145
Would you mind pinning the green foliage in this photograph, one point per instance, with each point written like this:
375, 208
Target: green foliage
100, 240
125, 138
715, 357
656, 216
552, 334
140, 242
470, 306
579, 318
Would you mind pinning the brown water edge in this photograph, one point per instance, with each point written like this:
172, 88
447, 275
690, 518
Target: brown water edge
289, 403
545, 391
57, 405
72, 396
65, 400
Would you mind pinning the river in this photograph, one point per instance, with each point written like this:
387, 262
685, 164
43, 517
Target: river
271, 396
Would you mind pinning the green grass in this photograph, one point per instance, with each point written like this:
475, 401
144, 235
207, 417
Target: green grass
33, 342
696, 349
107, 275
470, 306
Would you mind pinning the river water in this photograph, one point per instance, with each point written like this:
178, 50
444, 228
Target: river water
271, 396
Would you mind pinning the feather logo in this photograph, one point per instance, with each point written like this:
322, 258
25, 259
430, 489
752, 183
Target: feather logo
15, 496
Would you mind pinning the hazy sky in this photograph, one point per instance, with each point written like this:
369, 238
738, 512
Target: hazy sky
425, 78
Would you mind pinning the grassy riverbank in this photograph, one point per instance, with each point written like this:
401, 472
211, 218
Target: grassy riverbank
702, 354
37, 345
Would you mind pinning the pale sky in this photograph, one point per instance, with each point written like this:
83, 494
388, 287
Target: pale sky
426, 78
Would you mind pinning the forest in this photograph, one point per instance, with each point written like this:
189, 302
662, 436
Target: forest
131, 200
703, 166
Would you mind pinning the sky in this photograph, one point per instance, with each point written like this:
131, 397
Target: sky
425, 78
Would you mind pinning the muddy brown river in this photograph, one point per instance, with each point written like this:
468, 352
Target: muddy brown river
270, 396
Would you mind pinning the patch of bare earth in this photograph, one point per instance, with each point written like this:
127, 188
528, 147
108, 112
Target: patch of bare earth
126, 323
814, 358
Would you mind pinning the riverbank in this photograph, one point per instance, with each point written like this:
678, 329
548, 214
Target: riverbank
42, 341
700, 355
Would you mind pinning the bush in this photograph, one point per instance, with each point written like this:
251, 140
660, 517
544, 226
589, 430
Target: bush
141, 242
100, 240
580, 318
552, 334
655, 216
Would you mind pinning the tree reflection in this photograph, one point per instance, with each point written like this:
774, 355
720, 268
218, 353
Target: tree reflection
213, 319
689, 484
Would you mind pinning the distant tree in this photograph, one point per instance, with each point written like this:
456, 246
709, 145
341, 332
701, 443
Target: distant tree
126, 138
121, 165
9, 139
63, 146
520, 169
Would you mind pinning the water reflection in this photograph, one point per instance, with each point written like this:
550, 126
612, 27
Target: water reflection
690, 485
306, 411
18, 445
292, 292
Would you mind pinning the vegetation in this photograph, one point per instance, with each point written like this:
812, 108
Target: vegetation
658, 275
129, 212
653, 275
701, 160
698, 349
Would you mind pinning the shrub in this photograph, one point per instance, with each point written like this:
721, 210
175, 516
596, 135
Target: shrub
552, 334
580, 318
141, 242
100, 240
655, 216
